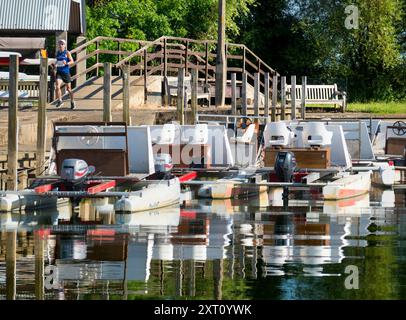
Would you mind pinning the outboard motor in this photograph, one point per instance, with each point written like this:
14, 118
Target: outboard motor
163, 165
285, 166
75, 171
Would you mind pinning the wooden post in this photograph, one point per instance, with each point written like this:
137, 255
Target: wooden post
221, 63
81, 65
12, 164
303, 102
165, 59
186, 57
11, 247
42, 119
207, 65
194, 94
244, 55
126, 94
283, 98
52, 84
256, 95
274, 97
266, 92
39, 247
165, 91
181, 93
107, 92
145, 76
234, 93
244, 105
119, 56
97, 58
293, 97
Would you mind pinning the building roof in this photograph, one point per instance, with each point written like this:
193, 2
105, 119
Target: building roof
41, 16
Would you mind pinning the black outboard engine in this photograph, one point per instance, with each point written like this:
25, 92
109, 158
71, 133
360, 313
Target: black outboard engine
285, 166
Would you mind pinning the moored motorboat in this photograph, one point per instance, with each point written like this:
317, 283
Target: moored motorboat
226, 188
96, 160
153, 196
348, 186
10, 202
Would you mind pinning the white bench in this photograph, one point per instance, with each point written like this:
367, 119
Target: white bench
27, 90
172, 90
319, 94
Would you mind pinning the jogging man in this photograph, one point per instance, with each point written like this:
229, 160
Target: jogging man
63, 61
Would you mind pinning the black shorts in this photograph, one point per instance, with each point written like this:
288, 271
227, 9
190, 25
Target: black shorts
65, 77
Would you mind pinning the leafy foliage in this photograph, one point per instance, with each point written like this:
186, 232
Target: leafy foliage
307, 37
302, 37
149, 19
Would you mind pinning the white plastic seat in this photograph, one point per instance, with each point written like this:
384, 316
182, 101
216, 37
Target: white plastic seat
246, 137
200, 135
167, 134
277, 134
316, 134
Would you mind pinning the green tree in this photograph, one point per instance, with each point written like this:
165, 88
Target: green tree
307, 37
149, 19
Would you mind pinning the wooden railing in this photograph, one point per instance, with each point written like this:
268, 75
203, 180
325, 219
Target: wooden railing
93, 49
89, 54
165, 56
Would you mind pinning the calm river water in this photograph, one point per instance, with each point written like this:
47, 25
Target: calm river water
231, 249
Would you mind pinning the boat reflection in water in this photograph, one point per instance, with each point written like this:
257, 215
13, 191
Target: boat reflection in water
210, 249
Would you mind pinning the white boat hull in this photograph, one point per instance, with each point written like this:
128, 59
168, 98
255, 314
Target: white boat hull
159, 195
348, 187
229, 188
387, 176
10, 202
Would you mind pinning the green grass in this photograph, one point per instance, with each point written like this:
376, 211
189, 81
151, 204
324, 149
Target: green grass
378, 107
370, 107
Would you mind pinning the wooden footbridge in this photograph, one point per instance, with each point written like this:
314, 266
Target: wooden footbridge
149, 64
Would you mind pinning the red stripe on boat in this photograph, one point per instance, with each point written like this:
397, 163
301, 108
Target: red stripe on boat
188, 214
101, 187
43, 232
43, 188
349, 193
101, 232
80, 174
188, 176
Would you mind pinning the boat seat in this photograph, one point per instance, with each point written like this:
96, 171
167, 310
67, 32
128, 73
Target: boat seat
246, 137
167, 134
277, 134
316, 134
200, 135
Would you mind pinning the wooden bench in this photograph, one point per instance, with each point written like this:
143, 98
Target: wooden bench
320, 94
171, 87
